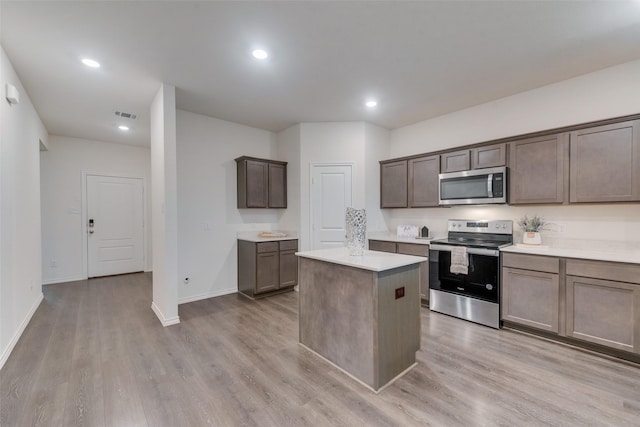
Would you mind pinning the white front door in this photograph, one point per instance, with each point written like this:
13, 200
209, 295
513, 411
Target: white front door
115, 226
330, 196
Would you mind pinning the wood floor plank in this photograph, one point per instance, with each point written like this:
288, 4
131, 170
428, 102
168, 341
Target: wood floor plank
95, 354
85, 400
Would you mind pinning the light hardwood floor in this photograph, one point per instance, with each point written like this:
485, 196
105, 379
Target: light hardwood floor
95, 354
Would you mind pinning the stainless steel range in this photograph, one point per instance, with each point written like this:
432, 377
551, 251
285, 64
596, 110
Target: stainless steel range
464, 270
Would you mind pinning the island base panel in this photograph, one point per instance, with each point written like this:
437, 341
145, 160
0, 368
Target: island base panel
352, 318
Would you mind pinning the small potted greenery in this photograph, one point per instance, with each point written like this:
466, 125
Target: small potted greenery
531, 228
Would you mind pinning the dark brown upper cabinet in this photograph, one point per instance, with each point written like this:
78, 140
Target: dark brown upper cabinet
261, 183
277, 185
538, 170
423, 181
393, 184
605, 163
455, 161
490, 156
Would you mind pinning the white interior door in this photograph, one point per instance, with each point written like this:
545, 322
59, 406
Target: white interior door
115, 226
331, 189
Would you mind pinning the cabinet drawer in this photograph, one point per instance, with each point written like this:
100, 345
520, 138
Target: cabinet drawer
413, 249
382, 246
267, 247
287, 245
616, 271
531, 262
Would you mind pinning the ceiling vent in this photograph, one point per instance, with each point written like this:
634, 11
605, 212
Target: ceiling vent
126, 115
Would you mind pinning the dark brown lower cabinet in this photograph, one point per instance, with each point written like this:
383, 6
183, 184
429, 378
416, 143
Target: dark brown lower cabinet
531, 291
288, 263
267, 272
531, 298
604, 312
593, 302
415, 249
266, 268
603, 303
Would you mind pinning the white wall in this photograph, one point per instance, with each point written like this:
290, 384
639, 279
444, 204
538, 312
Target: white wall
20, 241
376, 141
608, 93
164, 205
288, 150
330, 143
61, 169
208, 217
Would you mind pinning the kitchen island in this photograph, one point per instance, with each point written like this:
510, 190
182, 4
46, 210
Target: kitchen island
361, 313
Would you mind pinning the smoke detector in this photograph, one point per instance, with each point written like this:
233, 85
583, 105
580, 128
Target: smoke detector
126, 115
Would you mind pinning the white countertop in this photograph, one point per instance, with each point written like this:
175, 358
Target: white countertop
393, 237
370, 260
599, 250
254, 236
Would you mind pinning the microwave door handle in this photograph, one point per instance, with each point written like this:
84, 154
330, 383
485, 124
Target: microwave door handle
490, 185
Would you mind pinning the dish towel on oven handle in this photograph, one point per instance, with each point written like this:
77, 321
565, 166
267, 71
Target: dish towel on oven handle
459, 260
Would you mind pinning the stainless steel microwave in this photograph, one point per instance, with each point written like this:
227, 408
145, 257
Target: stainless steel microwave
474, 187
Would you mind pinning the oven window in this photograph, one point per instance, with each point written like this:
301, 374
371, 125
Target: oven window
468, 187
481, 281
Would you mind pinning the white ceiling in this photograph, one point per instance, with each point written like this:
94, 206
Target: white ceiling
419, 59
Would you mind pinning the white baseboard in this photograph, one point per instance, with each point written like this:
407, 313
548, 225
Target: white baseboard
7, 352
165, 322
213, 294
62, 280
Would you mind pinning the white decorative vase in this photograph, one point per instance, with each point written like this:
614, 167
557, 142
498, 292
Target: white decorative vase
356, 222
531, 238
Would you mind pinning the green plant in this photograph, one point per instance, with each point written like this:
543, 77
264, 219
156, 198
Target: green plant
533, 224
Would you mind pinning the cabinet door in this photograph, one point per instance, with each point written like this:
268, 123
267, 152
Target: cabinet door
423, 181
277, 185
489, 157
257, 179
423, 251
288, 268
455, 161
393, 184
605, 163
531, 298
604, 312
267, 274
538, 170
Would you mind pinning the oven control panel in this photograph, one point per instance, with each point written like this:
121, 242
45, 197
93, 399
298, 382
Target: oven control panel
501, 226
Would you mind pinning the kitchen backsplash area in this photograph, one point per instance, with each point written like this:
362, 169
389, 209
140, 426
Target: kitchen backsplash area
570, 224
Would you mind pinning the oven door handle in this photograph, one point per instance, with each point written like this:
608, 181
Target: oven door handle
472, 251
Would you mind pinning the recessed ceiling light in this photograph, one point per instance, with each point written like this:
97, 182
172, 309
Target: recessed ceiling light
371, 104
260, 54
91, 63
123, 127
